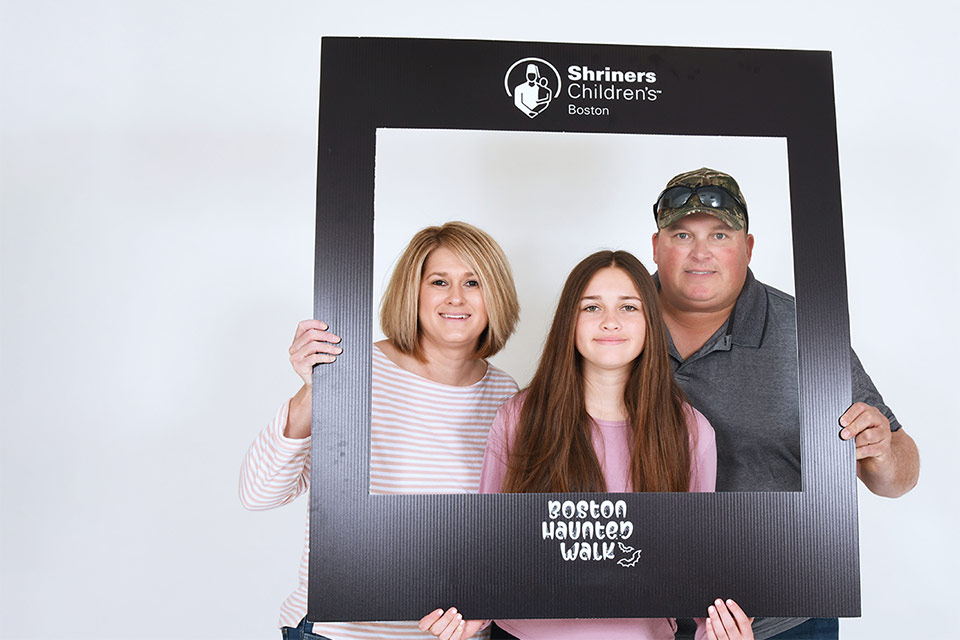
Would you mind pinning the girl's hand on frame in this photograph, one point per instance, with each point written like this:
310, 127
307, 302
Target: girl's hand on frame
312, 345
727, 621
449, 624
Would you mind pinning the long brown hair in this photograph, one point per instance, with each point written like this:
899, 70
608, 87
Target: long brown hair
552, 451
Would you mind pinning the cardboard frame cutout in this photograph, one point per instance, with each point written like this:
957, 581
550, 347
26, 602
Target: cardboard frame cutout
375, 557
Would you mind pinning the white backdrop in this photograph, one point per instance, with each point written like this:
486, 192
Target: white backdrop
158, 176
552, 199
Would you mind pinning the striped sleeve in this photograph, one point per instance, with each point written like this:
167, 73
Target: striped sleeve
425, 437
276, 469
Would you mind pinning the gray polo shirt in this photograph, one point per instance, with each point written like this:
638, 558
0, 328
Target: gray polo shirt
744, 380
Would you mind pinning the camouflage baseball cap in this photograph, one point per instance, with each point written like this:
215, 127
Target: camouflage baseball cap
734, 215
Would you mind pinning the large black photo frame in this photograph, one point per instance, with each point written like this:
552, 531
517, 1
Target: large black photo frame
398, 557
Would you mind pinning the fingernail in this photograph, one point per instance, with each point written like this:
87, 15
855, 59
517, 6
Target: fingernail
844, 434
711, 609
718, 602
729, 601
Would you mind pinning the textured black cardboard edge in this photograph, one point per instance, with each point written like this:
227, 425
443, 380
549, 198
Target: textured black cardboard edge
398, 557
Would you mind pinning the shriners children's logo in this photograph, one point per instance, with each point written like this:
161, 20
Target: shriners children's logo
533, 83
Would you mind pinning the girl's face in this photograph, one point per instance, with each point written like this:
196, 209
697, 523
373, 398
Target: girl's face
452, 312
611, 328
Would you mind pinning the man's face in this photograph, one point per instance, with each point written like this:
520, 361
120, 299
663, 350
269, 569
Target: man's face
702, 263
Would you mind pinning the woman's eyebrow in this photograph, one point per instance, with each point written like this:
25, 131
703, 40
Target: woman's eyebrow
444, 274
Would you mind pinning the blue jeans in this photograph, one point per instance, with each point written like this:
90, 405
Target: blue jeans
812, 629
299, 632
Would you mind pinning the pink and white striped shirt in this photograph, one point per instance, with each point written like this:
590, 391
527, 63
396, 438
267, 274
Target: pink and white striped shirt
426, 437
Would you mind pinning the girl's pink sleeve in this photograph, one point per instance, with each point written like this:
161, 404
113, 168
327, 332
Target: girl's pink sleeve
498, 441
703, 450
703, 472
701, 633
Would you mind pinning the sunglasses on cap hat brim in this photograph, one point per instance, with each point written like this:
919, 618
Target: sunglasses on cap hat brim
711, 196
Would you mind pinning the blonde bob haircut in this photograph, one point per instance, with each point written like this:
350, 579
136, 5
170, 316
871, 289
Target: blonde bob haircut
400, 307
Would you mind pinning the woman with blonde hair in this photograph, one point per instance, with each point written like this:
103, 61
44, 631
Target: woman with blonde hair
450, 304
602, 413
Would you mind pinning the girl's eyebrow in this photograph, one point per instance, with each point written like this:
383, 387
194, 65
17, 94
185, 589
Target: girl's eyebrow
618, 298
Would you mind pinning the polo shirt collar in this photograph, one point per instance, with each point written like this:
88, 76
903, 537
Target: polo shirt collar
749, 316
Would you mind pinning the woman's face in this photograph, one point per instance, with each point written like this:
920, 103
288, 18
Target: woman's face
452, 312
611, 329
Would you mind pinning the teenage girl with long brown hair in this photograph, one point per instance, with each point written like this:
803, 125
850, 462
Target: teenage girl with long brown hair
602, 413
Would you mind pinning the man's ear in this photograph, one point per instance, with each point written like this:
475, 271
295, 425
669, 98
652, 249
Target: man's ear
655, 239
749, 247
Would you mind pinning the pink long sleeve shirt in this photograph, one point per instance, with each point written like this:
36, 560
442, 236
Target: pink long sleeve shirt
610, 441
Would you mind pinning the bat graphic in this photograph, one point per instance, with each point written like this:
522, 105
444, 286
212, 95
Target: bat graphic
631, 561
625, 548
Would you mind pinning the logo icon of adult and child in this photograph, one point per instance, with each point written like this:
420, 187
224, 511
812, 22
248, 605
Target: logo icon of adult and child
534, 93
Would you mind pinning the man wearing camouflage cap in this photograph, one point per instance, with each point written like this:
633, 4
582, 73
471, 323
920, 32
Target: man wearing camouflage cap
734, 352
